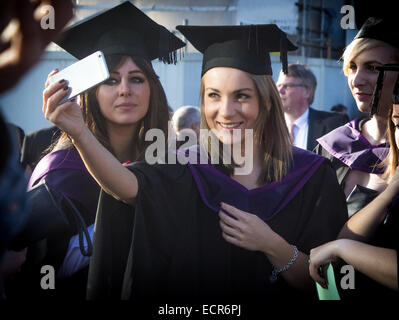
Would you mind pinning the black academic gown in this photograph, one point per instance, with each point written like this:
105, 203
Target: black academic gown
170, 245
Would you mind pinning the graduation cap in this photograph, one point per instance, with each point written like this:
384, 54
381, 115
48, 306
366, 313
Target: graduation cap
242, 47
376, 20
123, 29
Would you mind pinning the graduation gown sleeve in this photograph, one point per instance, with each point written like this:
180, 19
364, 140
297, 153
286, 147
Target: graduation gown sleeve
146, 231
111, 243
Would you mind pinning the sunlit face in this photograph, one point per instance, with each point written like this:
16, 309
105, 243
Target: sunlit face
362, 78
395, 120
230, 102
293, 93
124, 98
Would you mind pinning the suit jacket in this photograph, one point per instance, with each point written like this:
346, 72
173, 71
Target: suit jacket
321, 123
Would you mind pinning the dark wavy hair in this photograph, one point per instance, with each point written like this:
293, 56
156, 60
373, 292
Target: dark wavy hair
157, 115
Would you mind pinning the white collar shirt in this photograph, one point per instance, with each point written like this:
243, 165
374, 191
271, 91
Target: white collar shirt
301, 130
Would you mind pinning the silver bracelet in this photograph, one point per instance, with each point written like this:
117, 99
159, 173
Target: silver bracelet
276, 272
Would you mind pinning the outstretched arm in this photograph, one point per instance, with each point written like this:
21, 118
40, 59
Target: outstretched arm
110, 174
377, 263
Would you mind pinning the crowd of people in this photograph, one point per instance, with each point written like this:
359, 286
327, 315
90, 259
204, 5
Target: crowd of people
113, 226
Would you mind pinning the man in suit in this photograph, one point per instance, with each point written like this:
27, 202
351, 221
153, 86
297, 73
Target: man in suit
297, 89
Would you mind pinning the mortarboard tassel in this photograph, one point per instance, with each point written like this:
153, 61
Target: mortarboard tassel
256, 39
283, 54
166, 55
163, 46
377, 93
249, 38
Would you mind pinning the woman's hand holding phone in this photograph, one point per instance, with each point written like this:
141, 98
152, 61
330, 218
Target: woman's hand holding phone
67, 116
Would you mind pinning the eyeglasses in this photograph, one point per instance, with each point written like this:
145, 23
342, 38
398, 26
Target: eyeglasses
285, 86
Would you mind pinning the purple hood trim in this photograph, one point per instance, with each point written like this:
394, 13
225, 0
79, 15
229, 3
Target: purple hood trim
266, 201
349, 146
65, 171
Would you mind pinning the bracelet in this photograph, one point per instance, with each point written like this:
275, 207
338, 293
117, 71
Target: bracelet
276, 272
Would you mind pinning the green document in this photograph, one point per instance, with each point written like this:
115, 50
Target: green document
331, 293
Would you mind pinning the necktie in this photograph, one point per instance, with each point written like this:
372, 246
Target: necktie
291, 128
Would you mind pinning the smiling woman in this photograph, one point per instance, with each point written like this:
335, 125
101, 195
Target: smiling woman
230, 101
235, 99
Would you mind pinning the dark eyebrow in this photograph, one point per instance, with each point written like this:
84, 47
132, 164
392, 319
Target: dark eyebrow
235, 91
136, 71
243, 89
373, 61
369, 62
130, 72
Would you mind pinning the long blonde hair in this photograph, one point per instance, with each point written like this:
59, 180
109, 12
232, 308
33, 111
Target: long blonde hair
271, 135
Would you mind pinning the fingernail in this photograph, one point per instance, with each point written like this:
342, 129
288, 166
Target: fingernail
66, 88
61, 81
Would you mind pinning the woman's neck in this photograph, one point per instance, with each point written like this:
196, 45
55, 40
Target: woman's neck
250, 179
121, 140
375, 130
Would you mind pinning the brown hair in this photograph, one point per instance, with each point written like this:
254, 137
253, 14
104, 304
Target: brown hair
157, 115
392, 160
270, 131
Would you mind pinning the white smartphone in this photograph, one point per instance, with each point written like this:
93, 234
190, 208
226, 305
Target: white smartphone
83, 75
